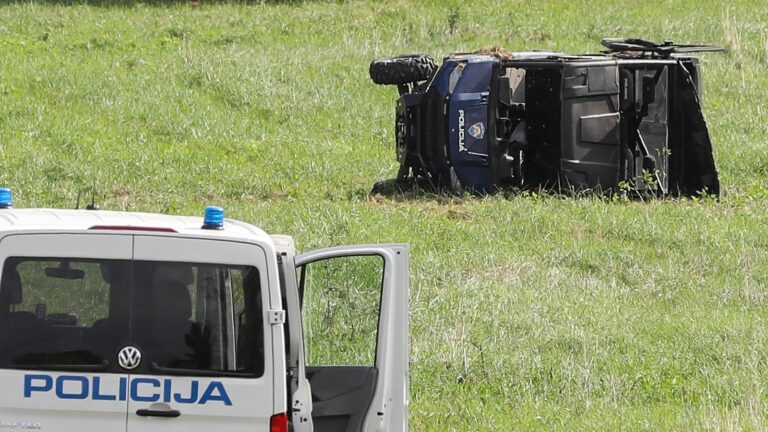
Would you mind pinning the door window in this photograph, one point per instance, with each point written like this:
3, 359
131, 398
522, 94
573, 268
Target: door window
341, 300
199, 318
56, 312
73, 314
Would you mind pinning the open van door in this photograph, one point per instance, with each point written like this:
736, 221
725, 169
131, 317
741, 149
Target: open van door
354, 310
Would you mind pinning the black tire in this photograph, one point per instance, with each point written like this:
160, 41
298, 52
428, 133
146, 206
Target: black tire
402, 69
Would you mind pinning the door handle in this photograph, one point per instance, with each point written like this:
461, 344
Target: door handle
158, 413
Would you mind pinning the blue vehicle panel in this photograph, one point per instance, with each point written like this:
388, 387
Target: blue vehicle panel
468, 123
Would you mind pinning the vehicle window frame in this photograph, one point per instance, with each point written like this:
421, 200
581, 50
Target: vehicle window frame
260, 297
302, 270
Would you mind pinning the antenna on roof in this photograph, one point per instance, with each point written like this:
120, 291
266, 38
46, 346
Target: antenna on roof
77, 204
93, 205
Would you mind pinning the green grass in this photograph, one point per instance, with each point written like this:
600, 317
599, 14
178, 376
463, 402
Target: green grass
527, 312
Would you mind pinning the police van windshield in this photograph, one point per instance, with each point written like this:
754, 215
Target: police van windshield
79, 314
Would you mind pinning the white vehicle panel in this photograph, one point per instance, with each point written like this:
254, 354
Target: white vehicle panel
247, 406
301, 395
63, 401
104, 246
239, 403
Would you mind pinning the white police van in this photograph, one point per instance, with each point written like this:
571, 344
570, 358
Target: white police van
113, 321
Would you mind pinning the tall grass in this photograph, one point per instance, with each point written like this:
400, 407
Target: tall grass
528, 312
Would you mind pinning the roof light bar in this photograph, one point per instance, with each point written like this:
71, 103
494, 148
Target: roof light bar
213, 218
6, 198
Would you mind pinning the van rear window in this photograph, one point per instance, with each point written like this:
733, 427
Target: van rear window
183, 318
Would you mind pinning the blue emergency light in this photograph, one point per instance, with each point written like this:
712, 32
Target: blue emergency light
6, 198
214, 218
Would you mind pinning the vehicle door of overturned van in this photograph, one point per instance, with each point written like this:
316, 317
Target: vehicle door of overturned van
63, 319
354, 312
211, 360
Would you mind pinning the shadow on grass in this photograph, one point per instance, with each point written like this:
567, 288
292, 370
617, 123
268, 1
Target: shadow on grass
420, 189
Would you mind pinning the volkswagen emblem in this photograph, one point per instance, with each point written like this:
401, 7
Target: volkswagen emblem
129, 357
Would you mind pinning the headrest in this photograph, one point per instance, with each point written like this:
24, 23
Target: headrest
10, 286
181, 273
113, 272
107, 272
172, 301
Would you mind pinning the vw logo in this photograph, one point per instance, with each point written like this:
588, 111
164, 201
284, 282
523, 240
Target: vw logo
129, 357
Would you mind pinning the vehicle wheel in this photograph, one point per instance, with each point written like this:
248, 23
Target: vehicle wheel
402, 69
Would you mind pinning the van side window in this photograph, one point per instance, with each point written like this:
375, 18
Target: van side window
77, 314
64, 293
200, 317
56, 312
341, 298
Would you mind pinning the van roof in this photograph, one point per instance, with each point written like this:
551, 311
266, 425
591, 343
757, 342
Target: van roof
88, 220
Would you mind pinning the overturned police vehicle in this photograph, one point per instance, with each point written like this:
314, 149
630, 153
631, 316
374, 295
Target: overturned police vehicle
626, 119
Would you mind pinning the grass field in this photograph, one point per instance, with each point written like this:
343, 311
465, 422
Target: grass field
529, 313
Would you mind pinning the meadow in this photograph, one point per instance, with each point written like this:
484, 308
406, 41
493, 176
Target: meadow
527, 312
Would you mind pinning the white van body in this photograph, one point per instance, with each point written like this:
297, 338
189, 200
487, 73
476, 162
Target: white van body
128, 322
